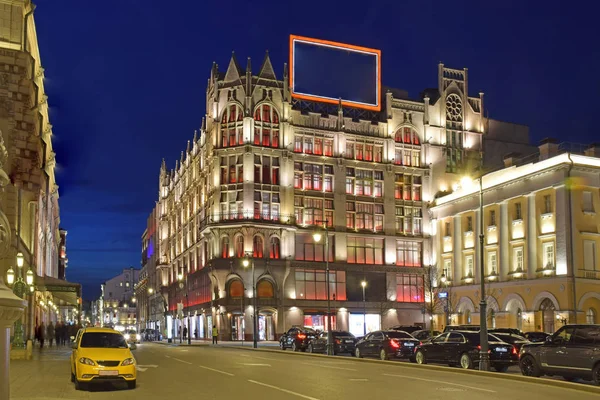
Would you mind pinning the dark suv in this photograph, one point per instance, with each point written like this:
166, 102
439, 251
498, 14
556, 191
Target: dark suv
297, 338
571, 352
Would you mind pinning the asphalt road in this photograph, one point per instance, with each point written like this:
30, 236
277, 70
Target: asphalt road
206, 372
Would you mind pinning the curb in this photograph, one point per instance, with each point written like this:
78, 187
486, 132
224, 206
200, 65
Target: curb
496, 375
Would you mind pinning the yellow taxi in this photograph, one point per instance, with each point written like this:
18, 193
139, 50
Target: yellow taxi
102, 354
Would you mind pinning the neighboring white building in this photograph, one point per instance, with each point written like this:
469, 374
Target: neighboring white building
117, 304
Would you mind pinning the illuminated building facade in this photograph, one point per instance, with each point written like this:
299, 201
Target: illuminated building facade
116, 307
266, 171
541, 238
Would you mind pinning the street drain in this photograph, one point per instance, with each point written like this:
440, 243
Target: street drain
451, 389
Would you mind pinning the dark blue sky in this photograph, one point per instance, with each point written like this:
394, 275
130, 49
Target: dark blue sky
126, 81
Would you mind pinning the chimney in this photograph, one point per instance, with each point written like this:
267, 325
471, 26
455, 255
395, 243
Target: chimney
510, 159
548, 148
593, 150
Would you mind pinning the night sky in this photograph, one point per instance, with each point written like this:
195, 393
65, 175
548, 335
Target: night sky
126, 81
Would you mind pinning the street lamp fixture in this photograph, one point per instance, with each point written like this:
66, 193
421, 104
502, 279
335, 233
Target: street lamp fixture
317, 237
444, 281
245, 263
20, 260
133, 299
29, 278
150, 290
10, 276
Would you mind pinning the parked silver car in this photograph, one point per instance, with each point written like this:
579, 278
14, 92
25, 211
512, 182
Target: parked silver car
571, 352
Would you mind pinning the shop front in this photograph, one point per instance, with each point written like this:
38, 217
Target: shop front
357, 323
318, 321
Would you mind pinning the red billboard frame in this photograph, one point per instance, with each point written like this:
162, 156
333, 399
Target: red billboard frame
339, 45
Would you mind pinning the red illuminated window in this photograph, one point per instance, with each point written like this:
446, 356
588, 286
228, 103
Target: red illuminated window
311, 284
257, 247
266, 126
364, 250
328, 147
264, 290
232, 126
409, 254
225, 247
236, 289
308, 250
239, 246
409, 288
275, 249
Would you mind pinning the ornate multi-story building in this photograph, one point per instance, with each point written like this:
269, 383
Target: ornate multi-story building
541, 235
116, 306
266, 171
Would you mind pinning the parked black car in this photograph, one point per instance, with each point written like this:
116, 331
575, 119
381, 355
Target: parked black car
472, 328
516, 340
297, 338
571, 352
406, 328
462, 348
425, 335
513, 331
343, 342
536, 337
387, 344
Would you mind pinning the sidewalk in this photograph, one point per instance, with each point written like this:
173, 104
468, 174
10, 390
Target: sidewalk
208, 342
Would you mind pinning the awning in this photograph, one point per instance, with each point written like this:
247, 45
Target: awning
68, 292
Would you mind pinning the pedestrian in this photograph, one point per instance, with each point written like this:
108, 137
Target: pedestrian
196, 333
215, 334
185, 332
58, 334
65, 333
50, 333
42, 334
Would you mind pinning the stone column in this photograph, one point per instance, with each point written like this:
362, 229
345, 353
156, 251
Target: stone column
503, 229
457, 248
563, 229
531, 237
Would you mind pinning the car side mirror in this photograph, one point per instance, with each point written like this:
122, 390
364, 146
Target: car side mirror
549, 340
132, 346
74, 346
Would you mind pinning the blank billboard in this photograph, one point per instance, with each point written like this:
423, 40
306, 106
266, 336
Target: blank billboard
326, 71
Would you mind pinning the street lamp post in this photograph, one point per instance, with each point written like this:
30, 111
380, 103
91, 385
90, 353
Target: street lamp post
246, 262
364, 285
182, 285
150, 292
484, 358
317, 238
22, 285
444, 280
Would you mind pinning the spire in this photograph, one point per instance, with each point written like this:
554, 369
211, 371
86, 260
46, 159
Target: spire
163, 166
181, 160
203, 124
266, 69
187, 150
286, 83
176, 166
196, 134
249, 66
233, 70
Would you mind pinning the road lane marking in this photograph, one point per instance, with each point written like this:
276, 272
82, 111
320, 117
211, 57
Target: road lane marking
329, 366
282, 390
358, 380
441, 382
144, 368
255, 365
180, 360
216, 370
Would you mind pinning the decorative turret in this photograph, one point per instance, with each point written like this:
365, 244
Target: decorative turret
234, 72
266, 69
248, 100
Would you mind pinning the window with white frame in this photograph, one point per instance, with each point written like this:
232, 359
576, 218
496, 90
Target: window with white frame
469, 266
266, 169
548, 255
589, 255
232, 123
357, 149
365, 182
313, 176
232, 205
409, 254
447, 270
364, 216
266, 126
492, 263
312, 144
409, 220
588, 201
518, 262
232, 169
266, 205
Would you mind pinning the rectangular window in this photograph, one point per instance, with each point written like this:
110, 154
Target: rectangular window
308, 250
318, 148
548, 256
311, 284
588, 202
349, 150
409, 288
378, 154
349, 185
589, 255
492, 217
447, 270
518, 211
416, 162
363, 250
469, 266
308, 145
328, 147
547, 204
298, 144
409, 254
447, 229
469, 224
518, 262
492, 263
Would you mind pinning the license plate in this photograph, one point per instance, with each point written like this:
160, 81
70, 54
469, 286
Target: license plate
409, 344
108, 373
349, 341
501, 350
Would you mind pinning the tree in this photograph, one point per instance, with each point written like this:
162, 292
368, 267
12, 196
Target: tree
438, 297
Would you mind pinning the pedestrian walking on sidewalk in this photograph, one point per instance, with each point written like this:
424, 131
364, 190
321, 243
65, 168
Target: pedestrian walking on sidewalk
185, 332
42, 334
215, 334
58, 333
50, 333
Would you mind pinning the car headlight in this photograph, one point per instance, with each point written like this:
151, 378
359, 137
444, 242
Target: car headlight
127, 336
86, 361
138, 337
128, 361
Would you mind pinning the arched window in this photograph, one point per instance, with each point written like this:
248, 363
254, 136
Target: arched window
266, 126
468, 316
225, 247
519, 319
405, 152
264, 290
232, 126
590, 316
407, 135
236, 288
275, 249
239, 246
257, 247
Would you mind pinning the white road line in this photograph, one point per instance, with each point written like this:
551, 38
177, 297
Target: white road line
216, 370
266, 358
330, 366
358, 380
178, 359
441, 382
283, 390
255, 365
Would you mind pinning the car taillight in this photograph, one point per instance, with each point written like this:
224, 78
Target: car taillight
338, 341
301, 336
514, 350
420, 343
394, 344
479, 348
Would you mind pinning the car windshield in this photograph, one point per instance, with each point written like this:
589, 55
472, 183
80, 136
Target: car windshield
342, 333
103, 340
398, 335
131, 332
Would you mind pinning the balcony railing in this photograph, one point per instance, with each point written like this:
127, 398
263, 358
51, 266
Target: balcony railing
258, 217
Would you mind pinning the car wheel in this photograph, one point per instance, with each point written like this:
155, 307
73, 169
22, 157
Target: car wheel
72, 377
294, 347
501, 368
529, 366
383, 355
281, 345
357, 353
596, 374
310, 348
420, 357
465, 361
131, 384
